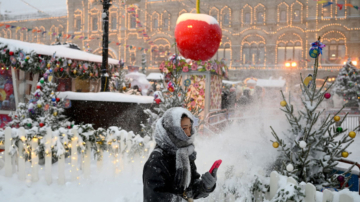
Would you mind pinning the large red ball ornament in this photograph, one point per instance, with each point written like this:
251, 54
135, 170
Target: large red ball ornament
38, 87
41, 125
11, 53
198, 36
157, 101
327, 95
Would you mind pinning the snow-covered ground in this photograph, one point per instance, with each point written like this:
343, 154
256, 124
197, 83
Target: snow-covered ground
244, 145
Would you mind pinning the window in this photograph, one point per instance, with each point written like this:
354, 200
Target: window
326, 12
214, 14
226, 19
78, 24
260, 17
113, 21
247, 18
296, 15
224, 52
132, 57
341, 13
132, 21
155, 23
288, 52
166, 22
94, 23
283, 16
253, 54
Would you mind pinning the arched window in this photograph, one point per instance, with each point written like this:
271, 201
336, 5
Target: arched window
94, 23
253, 54
224, 52
289, 52
247, 18
113, 20
260, 17
155, 23
132, 58
166, 23
296, 16
78, 24
214, 14
132, 21
281, 53
226, 20
246, 54
283, 16
341, 13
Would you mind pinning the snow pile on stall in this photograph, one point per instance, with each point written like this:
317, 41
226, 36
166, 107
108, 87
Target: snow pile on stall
155, 76
197, 16
106, 97
139, 79
61, 51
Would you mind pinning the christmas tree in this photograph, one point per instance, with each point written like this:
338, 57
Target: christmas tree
171, 93
143, 63
119, 83
314, 144
43, 110
347, 84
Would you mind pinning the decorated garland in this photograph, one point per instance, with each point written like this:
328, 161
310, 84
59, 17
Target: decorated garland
60, 67
217, 67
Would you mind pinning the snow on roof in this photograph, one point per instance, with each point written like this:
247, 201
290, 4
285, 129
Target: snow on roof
61, 51
155, 76
140, 80
201, 17
19, 7
107, 97
279, 83
231, 82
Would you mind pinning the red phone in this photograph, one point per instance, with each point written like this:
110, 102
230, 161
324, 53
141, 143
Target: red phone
215, 165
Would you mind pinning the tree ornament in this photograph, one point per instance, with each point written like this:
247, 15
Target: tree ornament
28, 125
27, 57
57, 99
11, 53
198, 36
352, 134
327, 95
55, 113
340, 178
41, 125
83, 71
38, 87
91, 74
339, 129
275, 144
171, 89
68, 127
48, 65
157, 101
61, 69
39, 105
344, 154
74, 71
57, 65
52, 93
283, 103
53, 99
302, 144
290, 167
336, 118
41, 81
124, 87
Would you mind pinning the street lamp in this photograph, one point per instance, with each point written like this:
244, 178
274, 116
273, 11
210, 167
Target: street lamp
354, 63
105, 45
293, 64
287, 64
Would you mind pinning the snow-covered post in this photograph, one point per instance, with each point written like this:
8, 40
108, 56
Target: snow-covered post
310, 193
74, 155
48, 156
99, 159
87, 159
61, 163
7, 156
34, 160
274, 186
21, 174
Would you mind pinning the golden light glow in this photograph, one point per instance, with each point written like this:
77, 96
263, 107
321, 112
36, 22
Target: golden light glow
189, 26
287, 64
293, 64
354, 63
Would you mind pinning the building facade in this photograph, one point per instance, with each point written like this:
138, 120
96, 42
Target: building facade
256, 34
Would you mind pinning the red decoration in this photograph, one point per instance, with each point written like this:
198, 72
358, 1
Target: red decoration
171, 89
61, 69
69, 127
38, 87
327, 95
57, 99
11, 53
41, 124
9, 89
198, 36
157, 100
83, 71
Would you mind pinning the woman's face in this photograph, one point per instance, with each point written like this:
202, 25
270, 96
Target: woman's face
186, 126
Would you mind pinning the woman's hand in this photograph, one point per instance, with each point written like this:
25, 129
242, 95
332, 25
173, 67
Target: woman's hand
209, 180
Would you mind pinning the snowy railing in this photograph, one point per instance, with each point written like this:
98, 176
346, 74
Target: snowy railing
280, 183
15, 161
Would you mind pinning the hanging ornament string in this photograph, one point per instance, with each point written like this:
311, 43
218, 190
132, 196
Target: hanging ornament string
316, 49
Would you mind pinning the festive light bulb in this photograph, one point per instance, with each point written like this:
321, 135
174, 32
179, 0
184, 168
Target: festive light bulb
290, 167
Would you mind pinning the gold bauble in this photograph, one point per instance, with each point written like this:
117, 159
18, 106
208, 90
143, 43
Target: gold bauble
74, 71
39, 105
275, 144
91, 74
352, 134
57, 65
48, 65
124, 88
55, 113
336, 118
283, 103
344, 154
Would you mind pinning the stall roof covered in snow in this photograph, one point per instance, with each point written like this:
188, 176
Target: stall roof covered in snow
231, 82
61, 51
107, 97
155, 76
271, 83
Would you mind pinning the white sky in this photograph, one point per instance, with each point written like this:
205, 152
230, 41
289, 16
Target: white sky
19, 7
